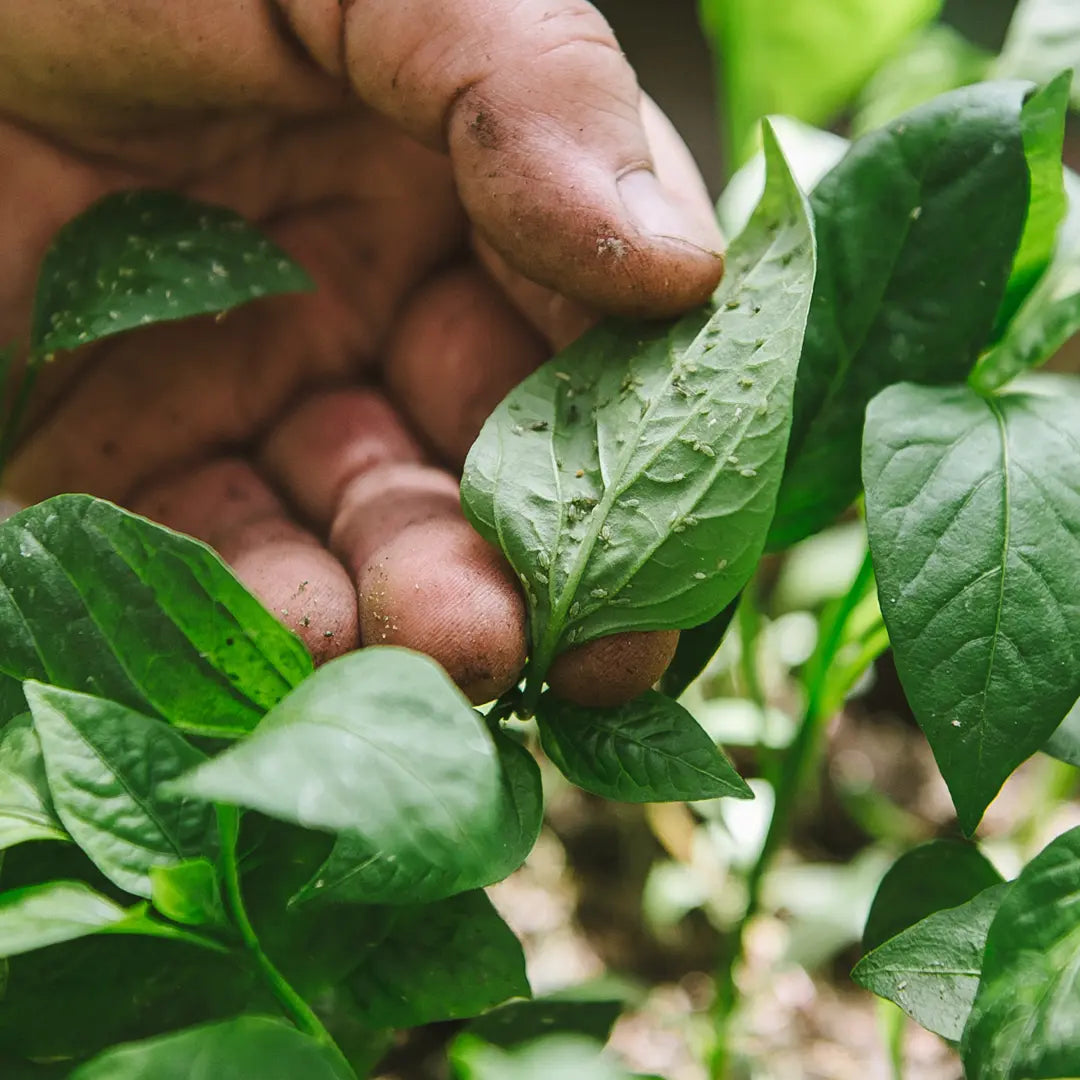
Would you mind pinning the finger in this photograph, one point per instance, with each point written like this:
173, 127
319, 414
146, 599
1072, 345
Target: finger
611, 670
330, 439
228, 505
459, 348
425, 579
539, 111
559, 318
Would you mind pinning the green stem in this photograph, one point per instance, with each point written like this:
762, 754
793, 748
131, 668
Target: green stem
795, 767
9, 429
295, 1007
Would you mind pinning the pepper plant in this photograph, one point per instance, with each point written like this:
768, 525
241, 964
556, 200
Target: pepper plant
219, 862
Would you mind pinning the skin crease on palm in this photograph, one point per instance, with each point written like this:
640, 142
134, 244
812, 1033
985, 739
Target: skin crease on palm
441, 168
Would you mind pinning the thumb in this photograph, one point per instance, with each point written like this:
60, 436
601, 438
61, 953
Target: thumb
540, 113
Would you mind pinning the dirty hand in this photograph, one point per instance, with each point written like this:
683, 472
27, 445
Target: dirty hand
464, 179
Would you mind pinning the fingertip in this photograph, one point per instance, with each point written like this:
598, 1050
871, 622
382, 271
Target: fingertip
612, 670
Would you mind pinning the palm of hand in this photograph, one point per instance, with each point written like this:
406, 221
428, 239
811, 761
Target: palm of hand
262, 432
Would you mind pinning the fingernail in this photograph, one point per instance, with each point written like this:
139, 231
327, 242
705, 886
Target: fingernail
655, 212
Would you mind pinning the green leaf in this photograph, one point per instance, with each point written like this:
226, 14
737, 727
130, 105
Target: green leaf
935, 60
26, 809
542, 1059
519, 1022
442, 961
1043, 40
140, 257
648, 750
383, 748
98, 600
810, 153
916, 232
974, 520
931, 970
188, 893
240, 1049
1051, 313
104, 763
801, 57
697, 646
1064, 744
1023, 1023
356, 873
933, 876
630, 481
1042, 120
37, 916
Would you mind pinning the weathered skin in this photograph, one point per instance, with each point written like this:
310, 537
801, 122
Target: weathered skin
437, 165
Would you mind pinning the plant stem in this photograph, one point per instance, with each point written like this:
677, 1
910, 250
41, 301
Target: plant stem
295, 1007
12, 422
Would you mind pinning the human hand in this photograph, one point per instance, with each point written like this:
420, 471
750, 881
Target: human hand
462, 178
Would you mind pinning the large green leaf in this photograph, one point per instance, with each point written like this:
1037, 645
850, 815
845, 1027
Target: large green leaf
931, 969
140, 257
936, 875
444, 961
648, 750
1023, 1023
916, 233
973, 514
240, 1049
1043, 39
697, 646
26, 809
355, 872
801, 57
631, 480
98, 600
104, 763
1051, 313
381, 747
519, 1022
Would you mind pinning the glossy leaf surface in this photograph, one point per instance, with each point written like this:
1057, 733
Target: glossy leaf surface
26, 808
101, 601
974, 520
648, 750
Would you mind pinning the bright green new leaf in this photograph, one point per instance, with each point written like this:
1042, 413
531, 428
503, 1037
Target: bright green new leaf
1064, 744
630, 481
648, 750
1043, 122
1023, 1025
246, 1048
973, 514
37, 916
936, 875
104, 763
916, 232
355, 872
98, 600
444, 961
188, 893
381, 747
141, 257
801, 57
934, 61
1051, 313
931, 969
556, 1055
26, 809
1043, 40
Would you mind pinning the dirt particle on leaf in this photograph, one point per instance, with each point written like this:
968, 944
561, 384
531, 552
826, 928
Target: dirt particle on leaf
484, 129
